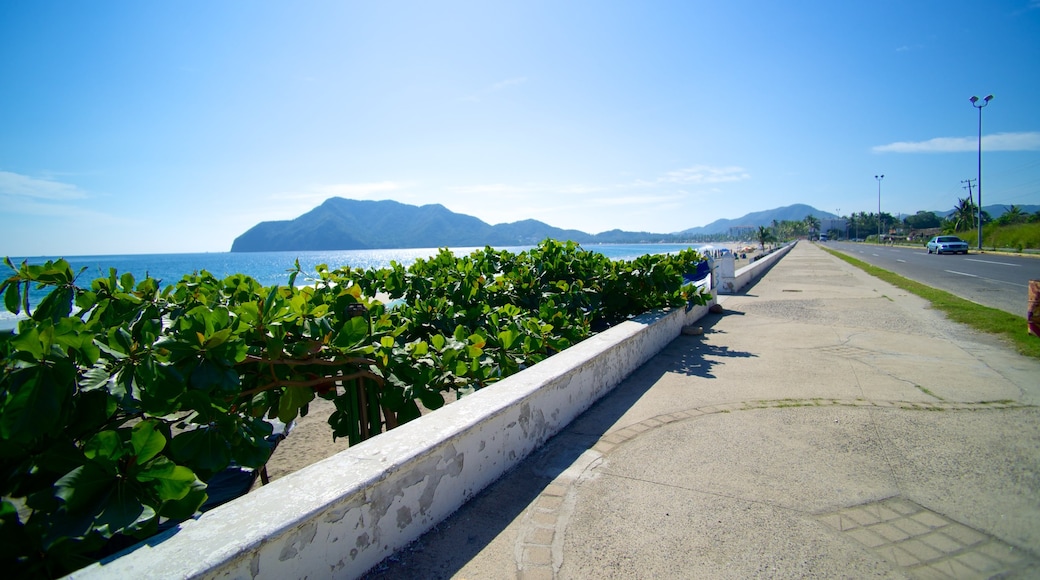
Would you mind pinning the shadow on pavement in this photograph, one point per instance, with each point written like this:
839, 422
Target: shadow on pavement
445, 549
694, 355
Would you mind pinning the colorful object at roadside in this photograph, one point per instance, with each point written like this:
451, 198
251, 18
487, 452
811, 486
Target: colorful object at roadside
1033, 311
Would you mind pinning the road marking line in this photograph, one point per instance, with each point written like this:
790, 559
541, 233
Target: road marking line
987, 279
898, 260
963, 274
992, 262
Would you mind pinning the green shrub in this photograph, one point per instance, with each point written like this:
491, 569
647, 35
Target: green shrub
119, 401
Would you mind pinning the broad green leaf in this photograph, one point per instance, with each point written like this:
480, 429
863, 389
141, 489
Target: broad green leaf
421, 348
272, 297
104, 445
431, 399
354, 331
127, 281
84, 485
218, 338
163, 390
119, 339
290, 402
8, 513
253, 450
508, 337
203, 448
209, 375
34, 408
408, 411
184, 508
12, 297
55, 305
97, 377
146, 441
29, 341
175, 481
124, 510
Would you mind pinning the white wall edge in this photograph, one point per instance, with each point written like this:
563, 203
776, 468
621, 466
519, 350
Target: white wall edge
748, 274
343, 515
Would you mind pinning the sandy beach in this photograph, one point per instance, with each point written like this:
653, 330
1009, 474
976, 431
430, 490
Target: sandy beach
309, 441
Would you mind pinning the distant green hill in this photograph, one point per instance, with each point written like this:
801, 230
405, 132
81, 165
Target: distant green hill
346, 224
796, 212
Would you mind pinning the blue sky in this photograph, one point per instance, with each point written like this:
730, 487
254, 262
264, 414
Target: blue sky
147, 127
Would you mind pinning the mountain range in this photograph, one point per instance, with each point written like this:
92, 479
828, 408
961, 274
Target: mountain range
347, 224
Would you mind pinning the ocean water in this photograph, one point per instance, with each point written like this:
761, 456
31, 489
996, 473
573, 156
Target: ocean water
270, 268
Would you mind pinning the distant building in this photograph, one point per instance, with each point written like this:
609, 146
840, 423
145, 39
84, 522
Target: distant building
828, 224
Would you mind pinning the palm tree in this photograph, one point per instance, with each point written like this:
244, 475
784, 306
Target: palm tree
1013, 215
963, 216
812, 223
764, 235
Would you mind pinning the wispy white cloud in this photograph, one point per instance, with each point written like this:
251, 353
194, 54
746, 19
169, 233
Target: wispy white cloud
15, 184
34, 207
639, 199
616, 193
508, 83
699, 174
584, 205
495, 189
494, 88
1026, 141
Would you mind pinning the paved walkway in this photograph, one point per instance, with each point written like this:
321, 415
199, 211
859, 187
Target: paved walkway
827, 424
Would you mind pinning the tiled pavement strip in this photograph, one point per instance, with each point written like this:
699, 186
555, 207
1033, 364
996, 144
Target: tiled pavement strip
926, 543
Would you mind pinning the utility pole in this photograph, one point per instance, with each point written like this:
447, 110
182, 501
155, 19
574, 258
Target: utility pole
968, 187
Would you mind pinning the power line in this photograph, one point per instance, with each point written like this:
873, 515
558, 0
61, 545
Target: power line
968, 187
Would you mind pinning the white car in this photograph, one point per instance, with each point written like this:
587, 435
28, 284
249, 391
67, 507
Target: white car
947, 245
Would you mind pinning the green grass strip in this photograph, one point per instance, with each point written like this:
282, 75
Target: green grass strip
983, 318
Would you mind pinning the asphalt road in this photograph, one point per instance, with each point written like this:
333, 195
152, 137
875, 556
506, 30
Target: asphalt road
991, 279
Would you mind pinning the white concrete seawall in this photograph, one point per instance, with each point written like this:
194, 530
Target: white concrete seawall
731, 282
341, 516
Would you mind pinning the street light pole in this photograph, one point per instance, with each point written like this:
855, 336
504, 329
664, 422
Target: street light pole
879, 178
975, 103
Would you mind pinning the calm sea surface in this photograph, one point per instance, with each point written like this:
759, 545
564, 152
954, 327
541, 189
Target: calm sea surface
270, 268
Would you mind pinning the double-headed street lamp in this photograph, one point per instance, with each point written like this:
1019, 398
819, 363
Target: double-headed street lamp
879, 178
979, 104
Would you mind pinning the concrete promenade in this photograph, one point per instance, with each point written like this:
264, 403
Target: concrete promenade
826, 424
